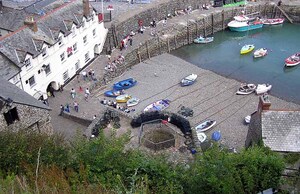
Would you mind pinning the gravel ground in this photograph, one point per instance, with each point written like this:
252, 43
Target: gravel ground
211, 97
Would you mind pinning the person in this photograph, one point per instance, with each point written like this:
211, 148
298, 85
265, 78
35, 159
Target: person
76, 106
84, 75
45, 99
73, 93
61, 89
104, 101
62, 109
130, 41
165, 22
67, 108
87, 91
94, 117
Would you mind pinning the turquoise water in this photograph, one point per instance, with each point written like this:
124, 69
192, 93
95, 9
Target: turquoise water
223, 57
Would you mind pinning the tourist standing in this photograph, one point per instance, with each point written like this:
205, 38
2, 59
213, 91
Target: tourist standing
62, 109
76, 106
73, 93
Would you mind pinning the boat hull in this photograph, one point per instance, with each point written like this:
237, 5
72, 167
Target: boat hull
245, 28
157, 106
202, 127
124, 84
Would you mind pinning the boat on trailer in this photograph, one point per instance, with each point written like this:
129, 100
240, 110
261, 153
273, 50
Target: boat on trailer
206, 125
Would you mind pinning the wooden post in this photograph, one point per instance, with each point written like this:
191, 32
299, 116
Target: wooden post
223, 25
212, 23
204, 27
139, 54
168, 43
175, 41
148, 53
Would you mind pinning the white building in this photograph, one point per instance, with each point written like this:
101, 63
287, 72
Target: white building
50, 49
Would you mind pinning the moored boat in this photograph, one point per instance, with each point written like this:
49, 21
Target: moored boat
292, 60
206, 125
113, 93
189, 80
132, 102
247, 49
203, 40
275, 21
125, 84
246, 89
123, 98
243, 23
263, 88
158, 106
260, 52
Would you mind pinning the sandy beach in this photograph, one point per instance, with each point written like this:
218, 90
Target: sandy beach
211, 97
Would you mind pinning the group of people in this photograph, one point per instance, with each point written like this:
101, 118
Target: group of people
90, 75
112, 65
116, 105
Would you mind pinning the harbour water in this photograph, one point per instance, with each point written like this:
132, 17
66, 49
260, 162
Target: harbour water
223, 57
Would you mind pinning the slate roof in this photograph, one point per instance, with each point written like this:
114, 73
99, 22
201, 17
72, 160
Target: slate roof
16, 45
9, 90
12, 19
281, 130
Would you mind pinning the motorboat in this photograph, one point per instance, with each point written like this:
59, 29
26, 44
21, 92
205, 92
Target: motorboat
243, 23
206, 125
201, 137
274, 21
247, 49
203, 40
132, 102
123, 98
260, 52
263, 88
158, 106
189, 80
292, 60
125, 84
246, 89
113, 93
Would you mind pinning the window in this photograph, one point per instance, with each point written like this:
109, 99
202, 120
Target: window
94, 32
31, 81
70, 51
44, 51
77, 65
47, 69
66, 76
60, 42
83, 24
62, 56
75, 47
11, 116
86, 57
73, 30
27, 63
84, 39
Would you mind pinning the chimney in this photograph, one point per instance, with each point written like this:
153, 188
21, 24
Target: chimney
264, 103
86, 8
29, 21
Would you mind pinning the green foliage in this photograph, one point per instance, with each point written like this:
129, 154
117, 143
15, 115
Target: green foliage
291, 158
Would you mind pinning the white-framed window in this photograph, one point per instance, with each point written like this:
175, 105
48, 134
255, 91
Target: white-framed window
31, 81
94, 32
60, 41
85, 39
47, 69
27, 63
75, 47
66, 76
44, 52
62, 56
86, 57
77, 65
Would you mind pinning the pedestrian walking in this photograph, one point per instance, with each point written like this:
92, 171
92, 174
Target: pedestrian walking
76, 106
84, 75
87, 91
67, 108
94, 117
86, 96
62, 109
73, 93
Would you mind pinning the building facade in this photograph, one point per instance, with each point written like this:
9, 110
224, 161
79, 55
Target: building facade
49, 50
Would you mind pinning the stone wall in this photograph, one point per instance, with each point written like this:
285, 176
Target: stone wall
30, 118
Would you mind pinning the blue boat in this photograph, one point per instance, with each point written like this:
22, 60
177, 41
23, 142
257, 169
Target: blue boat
125, 84
113, 93
243, 23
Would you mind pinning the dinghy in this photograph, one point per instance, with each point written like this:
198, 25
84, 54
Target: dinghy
113, 93
275, 21
157, 106
206, 125
189, 80
292, 60
201, 137
123, 98
125, 84
260, 52
202, 40
247, 49
132, 102
263, 88
246, 89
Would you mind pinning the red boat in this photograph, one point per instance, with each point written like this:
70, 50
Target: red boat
293, 60
275, 21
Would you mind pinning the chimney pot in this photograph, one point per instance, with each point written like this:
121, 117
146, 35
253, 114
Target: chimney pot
29, 21
86, 8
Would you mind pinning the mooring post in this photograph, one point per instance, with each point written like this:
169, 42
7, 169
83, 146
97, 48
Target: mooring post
204, 27
212, 23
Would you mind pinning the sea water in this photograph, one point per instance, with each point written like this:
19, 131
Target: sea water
223, 57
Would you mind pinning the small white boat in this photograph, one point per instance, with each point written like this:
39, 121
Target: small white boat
292, 60
202, 40
275, 21
201, 137
189, 80
206, 125
158, 106
263, 88
260, 52
123, 98
247, 119
132, 102
246, 89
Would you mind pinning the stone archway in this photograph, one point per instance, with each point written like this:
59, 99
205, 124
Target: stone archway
54, 85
